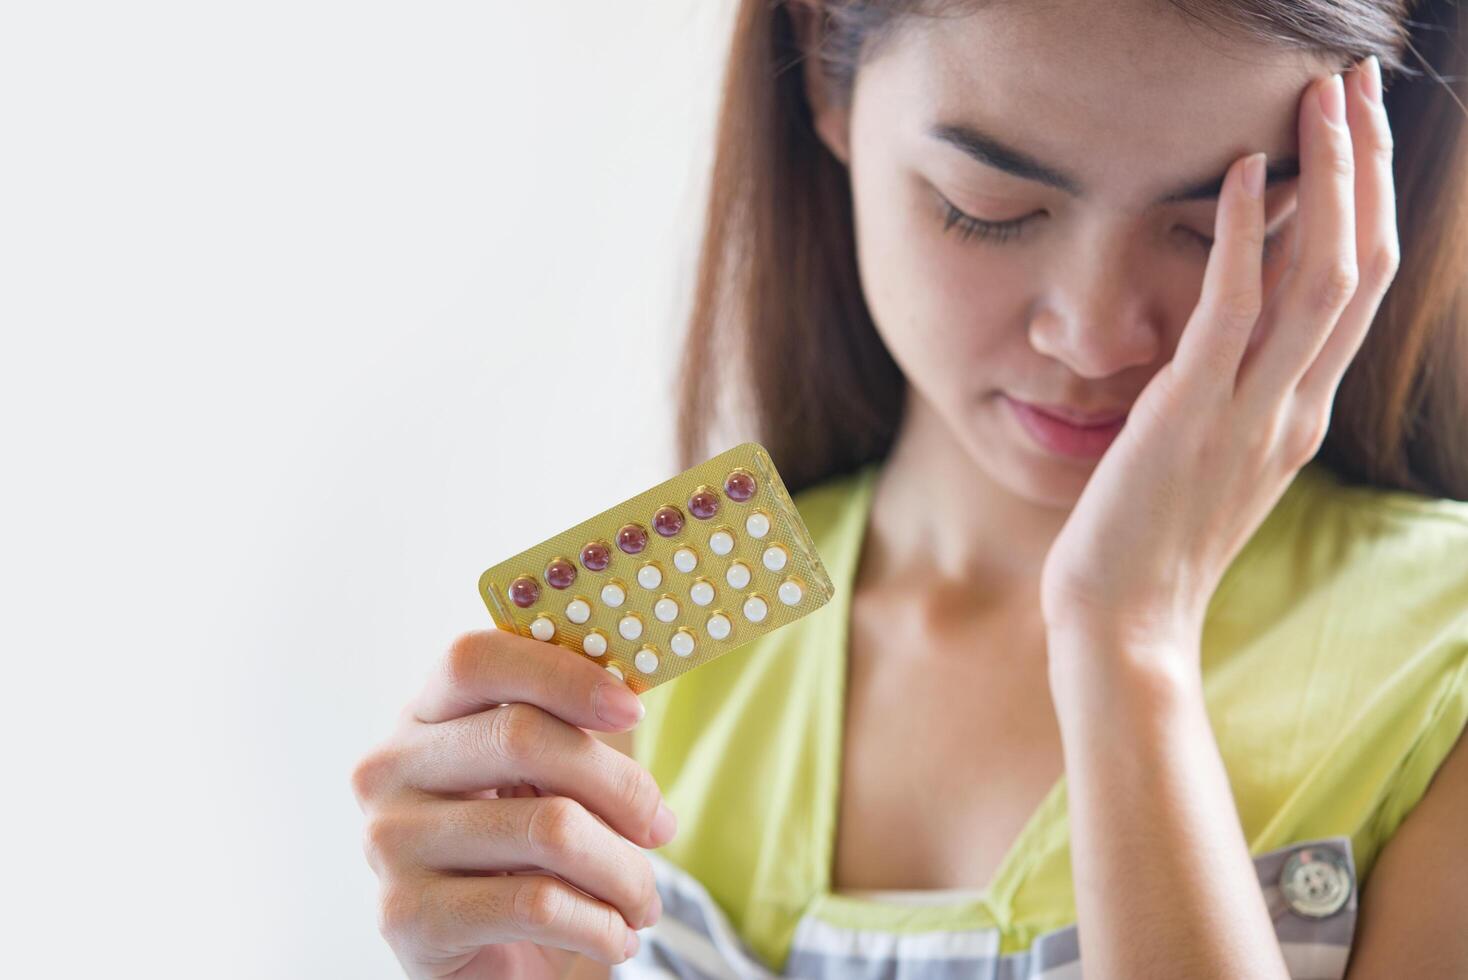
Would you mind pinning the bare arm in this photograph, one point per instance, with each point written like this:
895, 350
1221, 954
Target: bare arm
1412, 907
1157, 848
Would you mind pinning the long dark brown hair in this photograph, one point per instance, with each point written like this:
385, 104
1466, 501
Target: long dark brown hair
779, 330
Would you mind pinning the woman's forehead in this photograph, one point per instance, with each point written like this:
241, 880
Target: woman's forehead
1106, 114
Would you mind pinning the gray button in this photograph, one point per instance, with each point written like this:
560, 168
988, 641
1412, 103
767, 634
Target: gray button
1316, 881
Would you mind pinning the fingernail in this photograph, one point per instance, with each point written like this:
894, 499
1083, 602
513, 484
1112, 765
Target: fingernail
616, 705
664, 825
655, 912
1371, 80
1333, 100
629, 949
1254, 175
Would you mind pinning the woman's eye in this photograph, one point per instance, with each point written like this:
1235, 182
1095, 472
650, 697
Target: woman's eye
1001, 231
970, 227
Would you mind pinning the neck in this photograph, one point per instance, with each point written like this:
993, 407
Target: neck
943, 526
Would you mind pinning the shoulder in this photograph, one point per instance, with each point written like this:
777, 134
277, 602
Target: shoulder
1389, 564
1324, 527
1335, 660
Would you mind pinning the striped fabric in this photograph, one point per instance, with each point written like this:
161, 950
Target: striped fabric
695, 941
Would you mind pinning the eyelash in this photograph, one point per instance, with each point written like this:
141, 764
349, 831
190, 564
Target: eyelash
969, 226
1002, 231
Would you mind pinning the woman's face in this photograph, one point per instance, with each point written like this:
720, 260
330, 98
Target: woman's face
1121, 105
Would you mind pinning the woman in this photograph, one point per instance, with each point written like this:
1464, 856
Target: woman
1177, 680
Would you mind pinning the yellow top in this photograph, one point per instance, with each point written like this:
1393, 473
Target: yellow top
1335, 670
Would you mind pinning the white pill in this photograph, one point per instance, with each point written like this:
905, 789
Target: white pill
578, 611
594, 644
649, 576
721, 542
542, 628
630, 627
790, 592
702, 593
685, 560
758, 524
646, 660
612, 594
755, 609
719, 626
665, 609
737, 575
775, 557
682, 643
614, 669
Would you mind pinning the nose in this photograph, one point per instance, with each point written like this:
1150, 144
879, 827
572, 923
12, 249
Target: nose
1102, 320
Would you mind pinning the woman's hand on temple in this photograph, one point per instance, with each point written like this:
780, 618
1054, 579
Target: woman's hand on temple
1220, 431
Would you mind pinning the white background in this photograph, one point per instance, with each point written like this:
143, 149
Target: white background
311, 311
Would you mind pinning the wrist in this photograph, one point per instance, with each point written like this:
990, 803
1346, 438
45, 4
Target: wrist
1121, 666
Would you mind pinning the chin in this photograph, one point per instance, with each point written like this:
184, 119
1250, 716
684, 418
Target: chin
1012, 460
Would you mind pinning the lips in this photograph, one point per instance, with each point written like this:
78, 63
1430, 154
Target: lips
1088, 419
1062, 437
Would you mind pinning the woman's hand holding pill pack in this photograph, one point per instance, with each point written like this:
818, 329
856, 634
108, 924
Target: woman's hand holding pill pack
505, 835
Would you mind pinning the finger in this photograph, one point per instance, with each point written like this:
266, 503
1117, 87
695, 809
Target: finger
1376, 235
522, 744
445, 913
1211, 347
554, 833
1323, 276
492, 667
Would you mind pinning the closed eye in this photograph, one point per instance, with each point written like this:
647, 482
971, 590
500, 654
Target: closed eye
969, 227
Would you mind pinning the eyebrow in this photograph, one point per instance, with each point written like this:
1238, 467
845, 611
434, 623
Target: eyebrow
993, 152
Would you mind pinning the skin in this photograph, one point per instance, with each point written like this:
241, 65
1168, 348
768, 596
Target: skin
1228, 363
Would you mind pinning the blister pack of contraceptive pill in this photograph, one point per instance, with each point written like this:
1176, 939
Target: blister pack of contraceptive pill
671, 578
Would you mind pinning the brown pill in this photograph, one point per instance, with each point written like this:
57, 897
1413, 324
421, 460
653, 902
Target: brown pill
740, 486
632, 538
596, 556
703, 504
560, 573
524, 591
668, 521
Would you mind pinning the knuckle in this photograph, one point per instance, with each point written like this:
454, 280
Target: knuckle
384, 837
1383, 143
463, 665
1241, 305
1335, 285
1342, 164
1385, 262
513, 733
648, 893
1308, 435
373, 773
1266, 434
399, 911
613, 933
639, 792
539, 904
555, 826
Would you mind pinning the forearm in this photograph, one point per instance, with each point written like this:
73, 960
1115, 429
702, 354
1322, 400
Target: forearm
1164, 884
